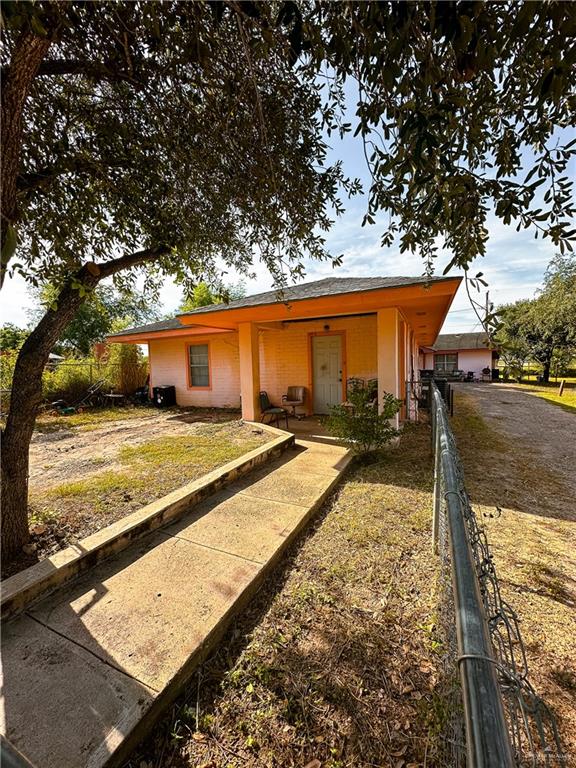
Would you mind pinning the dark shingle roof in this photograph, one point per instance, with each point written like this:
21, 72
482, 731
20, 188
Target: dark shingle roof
329, 286
461, 341
172, 324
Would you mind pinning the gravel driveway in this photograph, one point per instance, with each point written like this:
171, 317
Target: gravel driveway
541, 430
519, 457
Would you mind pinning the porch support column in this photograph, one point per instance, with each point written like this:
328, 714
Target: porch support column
249, 371
388, 327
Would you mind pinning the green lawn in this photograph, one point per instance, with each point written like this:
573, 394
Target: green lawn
567, 400
553, 380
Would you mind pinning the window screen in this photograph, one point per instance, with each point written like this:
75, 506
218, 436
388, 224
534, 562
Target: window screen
199, 368
445, 363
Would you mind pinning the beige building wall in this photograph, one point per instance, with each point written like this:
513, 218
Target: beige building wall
285, 357
169, 365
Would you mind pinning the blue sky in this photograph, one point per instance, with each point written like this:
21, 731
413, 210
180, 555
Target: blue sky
513, 266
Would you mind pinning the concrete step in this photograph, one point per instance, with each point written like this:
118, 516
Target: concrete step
88, 669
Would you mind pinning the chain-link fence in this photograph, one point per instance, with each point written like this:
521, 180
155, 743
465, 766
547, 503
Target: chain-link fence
496, 719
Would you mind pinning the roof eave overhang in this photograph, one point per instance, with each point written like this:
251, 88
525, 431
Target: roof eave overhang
460, 349
144, 336
336, 304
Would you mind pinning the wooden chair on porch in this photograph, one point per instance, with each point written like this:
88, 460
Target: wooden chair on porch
272, 411
294, 397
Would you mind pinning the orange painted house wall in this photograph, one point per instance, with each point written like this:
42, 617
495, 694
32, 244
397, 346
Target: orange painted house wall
169, 365
285, 352
284, 360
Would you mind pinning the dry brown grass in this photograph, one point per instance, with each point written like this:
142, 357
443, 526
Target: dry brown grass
533, 539
338, 661
95, 491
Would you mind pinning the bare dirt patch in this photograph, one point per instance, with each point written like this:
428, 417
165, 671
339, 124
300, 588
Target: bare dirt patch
75, 448
519, 455
337, 663
89, 471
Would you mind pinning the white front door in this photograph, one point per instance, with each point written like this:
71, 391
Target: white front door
326, 372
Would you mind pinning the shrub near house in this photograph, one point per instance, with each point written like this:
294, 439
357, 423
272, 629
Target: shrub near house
125, 370
358, 422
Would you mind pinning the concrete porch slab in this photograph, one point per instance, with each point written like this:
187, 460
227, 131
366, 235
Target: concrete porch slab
296, 478
243, 525
61, 703
327, 458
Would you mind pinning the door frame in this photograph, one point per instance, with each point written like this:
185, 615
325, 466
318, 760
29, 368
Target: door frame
311, 336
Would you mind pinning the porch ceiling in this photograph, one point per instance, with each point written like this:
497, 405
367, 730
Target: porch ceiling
423, 306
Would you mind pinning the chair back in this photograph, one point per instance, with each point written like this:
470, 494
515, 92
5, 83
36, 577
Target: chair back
353, 384
296, 394
265, 403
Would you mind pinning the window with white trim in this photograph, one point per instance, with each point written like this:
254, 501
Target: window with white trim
445, 363
199, 365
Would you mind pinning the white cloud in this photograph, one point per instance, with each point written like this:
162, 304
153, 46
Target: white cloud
14, 302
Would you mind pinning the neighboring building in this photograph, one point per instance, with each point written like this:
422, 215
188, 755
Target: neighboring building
466, 352
317, 335
54, 361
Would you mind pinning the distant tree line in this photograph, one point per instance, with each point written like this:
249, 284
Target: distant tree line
104, 311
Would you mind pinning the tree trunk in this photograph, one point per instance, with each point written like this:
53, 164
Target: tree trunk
25, 399
546, 370
26, 394
26, 59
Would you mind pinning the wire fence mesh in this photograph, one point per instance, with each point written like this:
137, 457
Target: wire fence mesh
530, 736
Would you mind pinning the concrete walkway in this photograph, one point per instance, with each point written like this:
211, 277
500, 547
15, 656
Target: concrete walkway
88, 669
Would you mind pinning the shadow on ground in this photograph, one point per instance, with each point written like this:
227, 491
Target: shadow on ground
338, 660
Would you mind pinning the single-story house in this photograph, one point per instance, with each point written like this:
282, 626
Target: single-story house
467, 352
317, 335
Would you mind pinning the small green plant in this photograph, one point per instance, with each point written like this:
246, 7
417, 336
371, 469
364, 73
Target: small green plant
7, 363
359, 423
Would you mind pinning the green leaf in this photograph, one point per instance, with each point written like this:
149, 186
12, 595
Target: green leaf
10, 243
37, 26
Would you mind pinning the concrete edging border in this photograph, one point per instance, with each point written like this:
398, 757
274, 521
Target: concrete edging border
20, 590
118, 757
